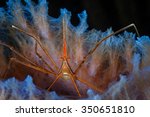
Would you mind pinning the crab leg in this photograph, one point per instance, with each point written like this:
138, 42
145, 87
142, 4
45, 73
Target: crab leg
99, 42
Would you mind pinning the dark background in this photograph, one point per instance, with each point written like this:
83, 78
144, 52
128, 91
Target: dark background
103, 14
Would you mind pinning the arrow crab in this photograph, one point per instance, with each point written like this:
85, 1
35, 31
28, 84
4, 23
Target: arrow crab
59, 60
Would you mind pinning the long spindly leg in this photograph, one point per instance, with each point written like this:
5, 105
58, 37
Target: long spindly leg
32, 66
57, 78
26, 59
18, 54
40, 44
89, 85
75, 85
40, 57
7, 68
99, 42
